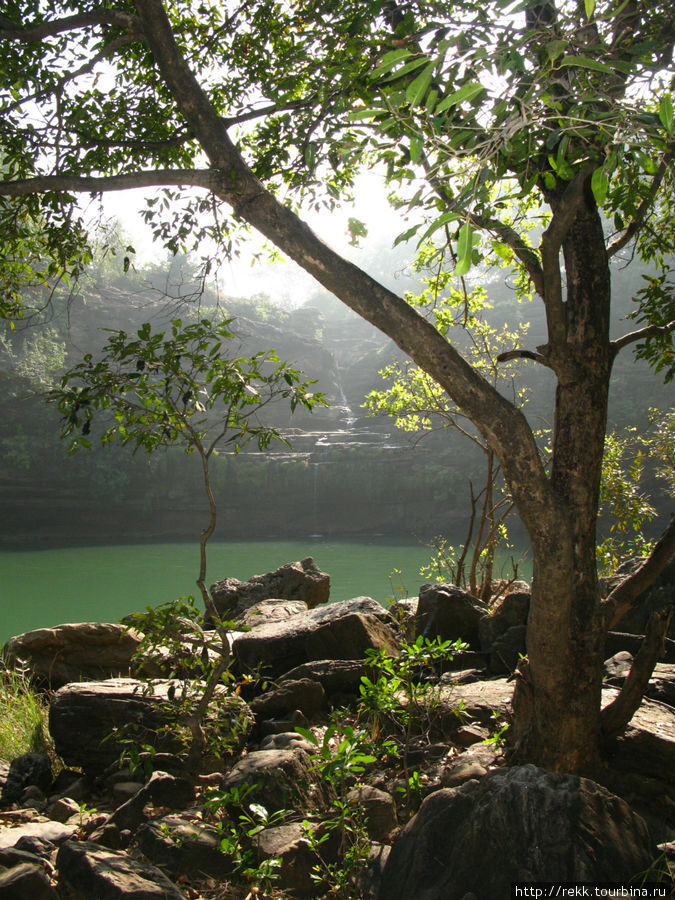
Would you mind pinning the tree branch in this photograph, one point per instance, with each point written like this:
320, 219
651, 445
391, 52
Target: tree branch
642, 211
523, 354
525, 254
32, 33
94, 185
617, 714
621, 599
641, 334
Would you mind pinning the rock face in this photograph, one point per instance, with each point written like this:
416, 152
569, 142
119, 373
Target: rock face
446, 611
87, 651
512, 611
338, 631
269, 611
530, 824
302, 581
280, 779
82, 715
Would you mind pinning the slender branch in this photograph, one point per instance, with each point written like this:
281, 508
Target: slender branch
617, 714
642, 211
512, 239
523, 354
641, 334
102, 184
622, 598
32, 33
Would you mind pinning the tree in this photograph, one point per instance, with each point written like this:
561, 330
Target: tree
158, 390
482, 113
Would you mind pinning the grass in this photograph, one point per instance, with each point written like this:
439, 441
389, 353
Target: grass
23, 717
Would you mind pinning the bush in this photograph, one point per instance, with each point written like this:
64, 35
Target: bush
23, 717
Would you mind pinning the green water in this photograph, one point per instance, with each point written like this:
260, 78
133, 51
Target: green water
88, 584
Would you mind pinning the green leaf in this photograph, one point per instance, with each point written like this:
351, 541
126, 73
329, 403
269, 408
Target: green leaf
600, 185
583, 62
464, 248
465, 93
438, 223
389, 60
589, 5
417, 89
416, 147
666, 112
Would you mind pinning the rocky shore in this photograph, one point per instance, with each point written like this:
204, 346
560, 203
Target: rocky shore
351, 752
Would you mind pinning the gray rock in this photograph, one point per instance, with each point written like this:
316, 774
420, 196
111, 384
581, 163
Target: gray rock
336, 676
289, 844
269, 611
446, 611
507, 649
25, 771
54, 832
62, 809
26, 880
184, 846
301, 581
512, 610
85, 651
656, 597
529, 824
379, 809
281, 779
87, 871
287, 740
82, 716
338, 631
473, 703
304, 694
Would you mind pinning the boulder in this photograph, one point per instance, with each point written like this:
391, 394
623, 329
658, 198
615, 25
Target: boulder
184, 845
529, 824
512, 610
87, 651
304, 694
279, 779
379, 810
26, 880
654, 598
289, 843
477, 702
507, 648
83, 716
87, 871
661, 685
54, 832
336, 676
301, 581
448, 612
27, 770
269, 611
338, 631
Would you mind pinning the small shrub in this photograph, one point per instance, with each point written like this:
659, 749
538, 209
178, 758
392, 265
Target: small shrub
23, 717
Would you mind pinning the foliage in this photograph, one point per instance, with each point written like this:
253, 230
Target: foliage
336, 874
23, 717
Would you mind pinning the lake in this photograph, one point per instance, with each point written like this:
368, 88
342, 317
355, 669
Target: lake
39, 588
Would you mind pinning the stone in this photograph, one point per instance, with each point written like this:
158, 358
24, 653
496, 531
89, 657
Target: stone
512, 610
379, 810
54, 832
336, 676
654, 598
304, 694
288, 740
474, 703
26, 880
342, 630
87, 870
62, 809
84, 651
27, 770
617, 641
280, 779
507, 650
269, 611
661, 685
289, 844
82, 716
301, 581
529, 824
448, 612
184, 845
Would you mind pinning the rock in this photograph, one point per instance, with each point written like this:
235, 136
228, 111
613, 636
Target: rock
289, 844
26, 880
507, 650
269, 611
280, 779
27, 770
86, 651
404, 611
472, 763
512, 610
87, 871
336, 676
62, 809
656, 597
162, 789
288, 740
338, 631
304, 694
301, 581
54, 832
82, 716
447, 612
474, 703
379, 809
184, 846
661, 685
529, 824
617, 641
